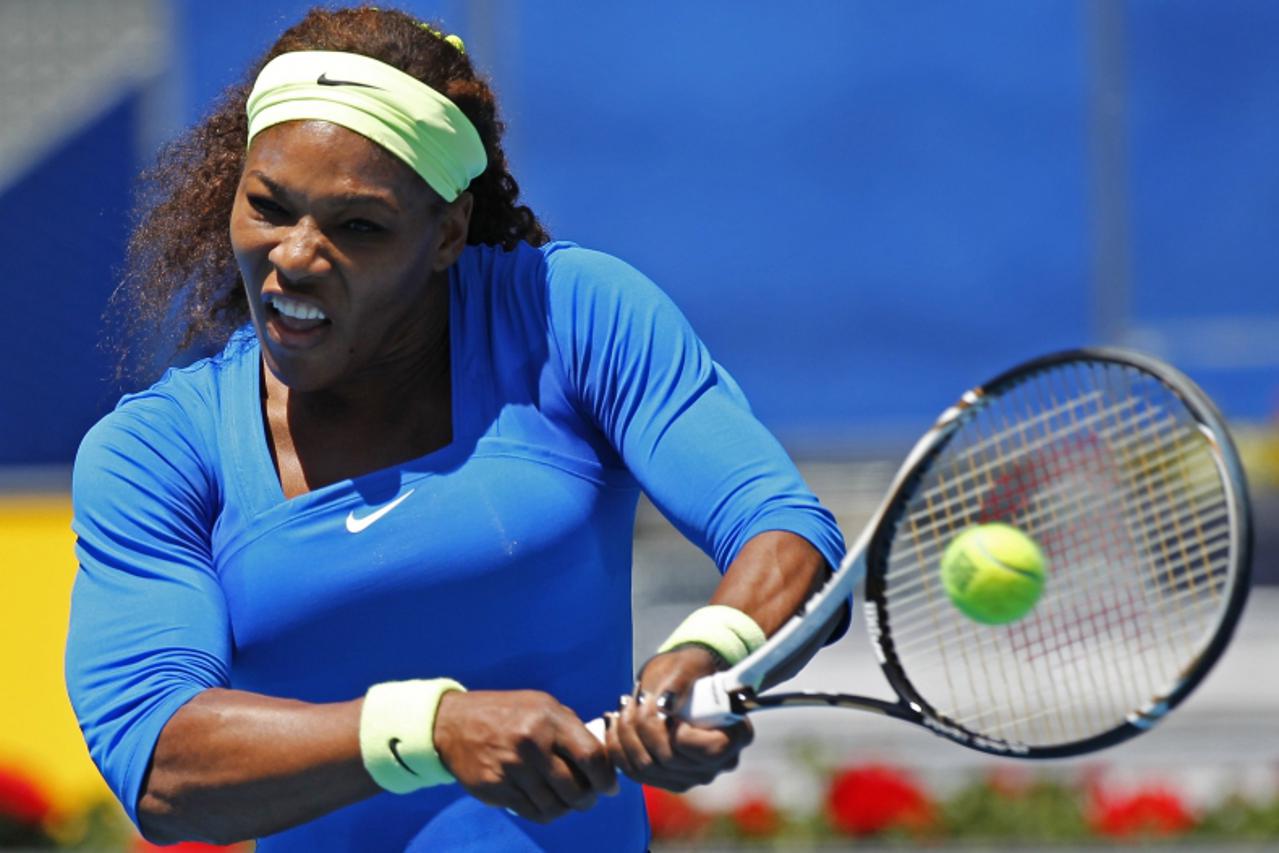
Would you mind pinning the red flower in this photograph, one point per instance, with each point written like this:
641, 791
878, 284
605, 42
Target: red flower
20, 800
873, 798
756, 817
1149, 812
672, 816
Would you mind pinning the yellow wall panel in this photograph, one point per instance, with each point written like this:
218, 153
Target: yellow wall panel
38, 732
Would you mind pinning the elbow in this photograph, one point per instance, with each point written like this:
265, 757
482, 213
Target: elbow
171, 814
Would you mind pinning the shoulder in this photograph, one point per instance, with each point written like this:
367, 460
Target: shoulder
589, 289
591, 272
560, 285
168, 428
183, 397
559, 266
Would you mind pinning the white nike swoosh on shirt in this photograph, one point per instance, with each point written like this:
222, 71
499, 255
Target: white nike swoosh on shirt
355, 525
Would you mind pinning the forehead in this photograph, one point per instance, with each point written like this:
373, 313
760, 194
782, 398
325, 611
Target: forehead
319, 155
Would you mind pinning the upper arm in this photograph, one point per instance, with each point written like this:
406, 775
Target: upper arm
149, 627
679, 421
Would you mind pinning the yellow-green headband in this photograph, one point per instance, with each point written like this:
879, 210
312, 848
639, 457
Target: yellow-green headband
402, 114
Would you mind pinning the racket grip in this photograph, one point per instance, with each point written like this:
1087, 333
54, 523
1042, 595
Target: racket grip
709, 704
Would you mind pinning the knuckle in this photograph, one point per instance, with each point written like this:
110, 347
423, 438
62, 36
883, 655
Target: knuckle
545, 702
530, 736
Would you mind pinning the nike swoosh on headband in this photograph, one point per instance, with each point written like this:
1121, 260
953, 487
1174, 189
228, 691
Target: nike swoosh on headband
355, 525
324, 80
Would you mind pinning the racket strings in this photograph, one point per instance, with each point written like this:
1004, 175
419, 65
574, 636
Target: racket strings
1060, 490
1202, 507
1114, 620
1055, 491
960, 490
1103, 466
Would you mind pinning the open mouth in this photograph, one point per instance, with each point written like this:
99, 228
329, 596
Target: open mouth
295, 322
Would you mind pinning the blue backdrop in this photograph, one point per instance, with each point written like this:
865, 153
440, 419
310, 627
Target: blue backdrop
863, 207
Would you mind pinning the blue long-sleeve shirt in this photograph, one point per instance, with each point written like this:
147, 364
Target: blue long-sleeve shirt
504, 563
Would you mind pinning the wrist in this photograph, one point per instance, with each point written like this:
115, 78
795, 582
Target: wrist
397, 734
713, 660
726, 632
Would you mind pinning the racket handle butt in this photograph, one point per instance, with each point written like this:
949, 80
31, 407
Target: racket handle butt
709, 704
597, 727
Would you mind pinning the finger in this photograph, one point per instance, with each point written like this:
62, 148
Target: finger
569, 785
515, 801
660, 731
701, 744
654, 729
638, 762
545, 804
641, 765
588, 759
616, 753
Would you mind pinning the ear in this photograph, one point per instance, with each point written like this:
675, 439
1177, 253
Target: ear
455, 223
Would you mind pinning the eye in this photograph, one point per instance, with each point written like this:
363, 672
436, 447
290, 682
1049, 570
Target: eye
266, 206
362, 226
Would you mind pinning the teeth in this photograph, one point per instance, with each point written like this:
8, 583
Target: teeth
296, 308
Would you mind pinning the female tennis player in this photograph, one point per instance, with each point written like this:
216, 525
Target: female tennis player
355, 580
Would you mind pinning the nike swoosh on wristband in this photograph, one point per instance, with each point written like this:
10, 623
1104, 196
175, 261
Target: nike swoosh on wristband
355, 525
394, 745
324, 80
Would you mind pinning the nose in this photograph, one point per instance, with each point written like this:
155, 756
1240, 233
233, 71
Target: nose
301, 254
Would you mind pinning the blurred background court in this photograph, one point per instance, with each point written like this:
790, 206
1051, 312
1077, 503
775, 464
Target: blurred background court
864, 207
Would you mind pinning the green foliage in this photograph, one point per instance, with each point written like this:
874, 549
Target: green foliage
103, 826
1044, 811
1240, 819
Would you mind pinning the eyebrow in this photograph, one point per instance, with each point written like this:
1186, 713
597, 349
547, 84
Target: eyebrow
339, 199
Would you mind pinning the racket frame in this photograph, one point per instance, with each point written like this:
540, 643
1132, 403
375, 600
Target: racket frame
726, 696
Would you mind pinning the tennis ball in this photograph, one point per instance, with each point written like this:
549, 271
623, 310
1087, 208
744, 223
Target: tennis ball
993, 573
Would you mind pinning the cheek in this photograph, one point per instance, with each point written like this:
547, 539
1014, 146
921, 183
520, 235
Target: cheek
249, 246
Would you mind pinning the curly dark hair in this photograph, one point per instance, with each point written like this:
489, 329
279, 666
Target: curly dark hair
181, 290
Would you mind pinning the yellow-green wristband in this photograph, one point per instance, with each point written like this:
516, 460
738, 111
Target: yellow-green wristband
397, 728
727, 631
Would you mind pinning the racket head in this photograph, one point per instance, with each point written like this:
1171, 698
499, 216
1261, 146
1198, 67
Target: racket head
1123, 470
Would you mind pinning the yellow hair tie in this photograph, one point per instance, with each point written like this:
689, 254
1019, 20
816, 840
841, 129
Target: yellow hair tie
456, 41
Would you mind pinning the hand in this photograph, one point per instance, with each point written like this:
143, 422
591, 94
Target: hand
523, 751
648, 743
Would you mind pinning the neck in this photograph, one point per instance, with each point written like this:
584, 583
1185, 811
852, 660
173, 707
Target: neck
408, 384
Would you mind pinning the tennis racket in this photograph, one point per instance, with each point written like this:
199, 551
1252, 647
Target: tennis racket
1123, 471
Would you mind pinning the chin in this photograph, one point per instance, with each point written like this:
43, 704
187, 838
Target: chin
297, 373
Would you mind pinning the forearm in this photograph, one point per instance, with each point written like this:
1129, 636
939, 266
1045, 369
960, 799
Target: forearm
232, 765
769, 580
